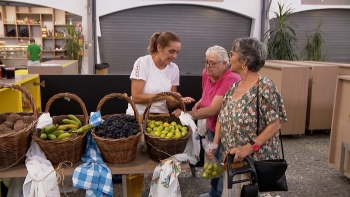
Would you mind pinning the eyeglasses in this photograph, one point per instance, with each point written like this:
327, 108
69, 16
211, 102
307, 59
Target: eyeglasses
230, 54
211, 64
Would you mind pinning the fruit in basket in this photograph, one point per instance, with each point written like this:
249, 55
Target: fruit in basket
65, 130
51, 136
43, 136
64, 136
68, 121
120, 126
72, 117
51, 128
166, 130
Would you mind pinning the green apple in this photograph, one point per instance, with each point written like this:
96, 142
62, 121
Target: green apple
163, 135
173, 123
157, 133
158, 123
205, 175
166, 124
170, 134
149, 130
165, 131
184, 133
177, 135
183, 129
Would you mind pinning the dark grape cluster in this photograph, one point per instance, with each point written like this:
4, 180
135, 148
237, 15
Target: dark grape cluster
118, 126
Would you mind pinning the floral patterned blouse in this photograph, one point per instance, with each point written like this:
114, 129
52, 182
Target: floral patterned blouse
239, 119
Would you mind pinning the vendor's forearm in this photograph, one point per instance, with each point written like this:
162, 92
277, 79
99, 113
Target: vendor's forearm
142, 98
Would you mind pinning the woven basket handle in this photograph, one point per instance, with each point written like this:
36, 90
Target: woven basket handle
26, 94
154, 99
120, 96
68, 96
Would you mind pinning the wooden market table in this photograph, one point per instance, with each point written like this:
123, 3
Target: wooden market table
142, 164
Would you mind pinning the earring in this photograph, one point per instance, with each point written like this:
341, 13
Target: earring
243, 66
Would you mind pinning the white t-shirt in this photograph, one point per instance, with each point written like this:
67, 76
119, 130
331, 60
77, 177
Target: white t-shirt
156, 81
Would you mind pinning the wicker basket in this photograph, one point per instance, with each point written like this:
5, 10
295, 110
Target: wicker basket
14, 146
58, 151
162, 148
117, 151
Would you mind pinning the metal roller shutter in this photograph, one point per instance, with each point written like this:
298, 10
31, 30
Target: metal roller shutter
125, 34
335, 27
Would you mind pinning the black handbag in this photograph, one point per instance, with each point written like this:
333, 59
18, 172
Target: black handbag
271, 173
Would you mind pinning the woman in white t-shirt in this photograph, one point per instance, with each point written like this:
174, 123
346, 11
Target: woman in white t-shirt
152, 74
155, 73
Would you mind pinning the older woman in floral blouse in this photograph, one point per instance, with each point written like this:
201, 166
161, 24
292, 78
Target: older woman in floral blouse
237, 121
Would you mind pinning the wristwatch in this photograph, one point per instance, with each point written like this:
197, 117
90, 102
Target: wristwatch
255, 147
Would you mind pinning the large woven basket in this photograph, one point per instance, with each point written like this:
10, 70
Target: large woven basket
162, 148
117, 151
58, 151
14, 146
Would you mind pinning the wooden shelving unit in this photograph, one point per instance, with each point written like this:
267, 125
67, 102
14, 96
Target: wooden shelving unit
13, 19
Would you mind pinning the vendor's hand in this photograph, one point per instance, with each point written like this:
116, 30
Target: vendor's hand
196, 106
177, 93
177, 112
187, 100
241, 152
210, 154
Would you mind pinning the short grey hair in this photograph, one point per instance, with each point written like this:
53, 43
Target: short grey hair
220, 51
251, 50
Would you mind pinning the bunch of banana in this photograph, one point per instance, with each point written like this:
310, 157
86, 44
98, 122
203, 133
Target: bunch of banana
64, 131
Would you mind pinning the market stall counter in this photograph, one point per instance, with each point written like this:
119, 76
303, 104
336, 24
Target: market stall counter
55, 67
142, 164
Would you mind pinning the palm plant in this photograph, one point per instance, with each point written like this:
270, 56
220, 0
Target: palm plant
281, 38
72, 45
314, 45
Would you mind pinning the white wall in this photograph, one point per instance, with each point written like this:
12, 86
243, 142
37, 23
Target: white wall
298, 7
249, 8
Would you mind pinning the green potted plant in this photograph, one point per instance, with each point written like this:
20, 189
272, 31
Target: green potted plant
281, 38
73, 44
313, 48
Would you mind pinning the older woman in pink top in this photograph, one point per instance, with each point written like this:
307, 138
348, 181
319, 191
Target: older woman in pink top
217, 78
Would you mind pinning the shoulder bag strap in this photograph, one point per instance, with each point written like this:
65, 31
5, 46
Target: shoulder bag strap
258, 109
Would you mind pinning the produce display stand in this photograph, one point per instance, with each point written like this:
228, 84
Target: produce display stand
339, 146
322, 82
142, 164
291, 81
55, 67
13, 99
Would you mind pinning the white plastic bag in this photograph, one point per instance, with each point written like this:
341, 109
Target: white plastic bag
44, 121
202, 127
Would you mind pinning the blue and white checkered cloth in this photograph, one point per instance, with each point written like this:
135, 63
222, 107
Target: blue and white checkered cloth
93, 175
